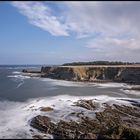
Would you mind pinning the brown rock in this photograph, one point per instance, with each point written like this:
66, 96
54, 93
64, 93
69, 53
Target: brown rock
37, 137
46, 109
42, 123
115, 122
87, 104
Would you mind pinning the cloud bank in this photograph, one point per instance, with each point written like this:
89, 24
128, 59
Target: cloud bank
84, 18
109, 26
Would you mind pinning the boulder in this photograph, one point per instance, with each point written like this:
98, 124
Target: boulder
46, 109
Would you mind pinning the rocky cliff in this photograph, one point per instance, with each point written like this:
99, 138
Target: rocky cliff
94, 73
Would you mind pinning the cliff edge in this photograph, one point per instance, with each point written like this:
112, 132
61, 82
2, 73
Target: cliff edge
98, 73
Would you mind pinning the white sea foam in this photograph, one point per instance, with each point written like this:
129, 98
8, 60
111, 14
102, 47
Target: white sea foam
132, 92
13, 121
20, 84
16, 72
111, 84
83, 84
19, 76
15, 116
54, 82
121, 86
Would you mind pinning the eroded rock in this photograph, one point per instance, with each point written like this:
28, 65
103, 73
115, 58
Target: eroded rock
114, 122
42, 123
87, 104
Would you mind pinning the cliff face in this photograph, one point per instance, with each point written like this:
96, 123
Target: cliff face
118, 74
58, 73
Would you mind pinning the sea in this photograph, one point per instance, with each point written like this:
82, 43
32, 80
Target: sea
21, 97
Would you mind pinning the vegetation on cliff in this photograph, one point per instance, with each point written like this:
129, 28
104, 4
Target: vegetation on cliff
98, 63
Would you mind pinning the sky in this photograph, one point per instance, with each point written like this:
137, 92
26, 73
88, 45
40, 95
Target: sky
60, 32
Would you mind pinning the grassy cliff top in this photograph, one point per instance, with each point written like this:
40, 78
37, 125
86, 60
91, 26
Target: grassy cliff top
101, 63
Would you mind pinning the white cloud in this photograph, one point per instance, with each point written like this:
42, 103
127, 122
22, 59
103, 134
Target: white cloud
40, 16
117, 26
108, 43
84, 18
113, 26
114, 49
108, 18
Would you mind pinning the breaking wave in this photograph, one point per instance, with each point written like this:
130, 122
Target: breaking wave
16, 116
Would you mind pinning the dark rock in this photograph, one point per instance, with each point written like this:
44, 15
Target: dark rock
115, 122
30, 71
24, 70
31, 130
87, 104
42, 123
133, 111
46, 109
37, 137
130, 133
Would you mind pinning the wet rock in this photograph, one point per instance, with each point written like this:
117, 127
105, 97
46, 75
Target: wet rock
132, 111
77, 114
73, 130
42, 123
87, 104
114, 122
30, 71
31, 130
24, 70
130, 133
46, 109
37, 137
32, 106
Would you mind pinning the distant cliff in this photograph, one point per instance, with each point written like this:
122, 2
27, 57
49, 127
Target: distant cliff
126, 74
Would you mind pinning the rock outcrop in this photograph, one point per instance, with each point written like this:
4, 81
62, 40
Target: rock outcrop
58, 73
46, 109
102, 73
30, 71
114, 122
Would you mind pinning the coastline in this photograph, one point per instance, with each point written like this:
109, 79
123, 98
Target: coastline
131, 86
63, 115
87, 117
109, 120
129, 74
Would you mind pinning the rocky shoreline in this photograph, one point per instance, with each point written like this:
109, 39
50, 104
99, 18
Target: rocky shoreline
97, 74
100, 74
113, 122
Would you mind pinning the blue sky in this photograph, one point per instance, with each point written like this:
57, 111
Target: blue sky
59, 32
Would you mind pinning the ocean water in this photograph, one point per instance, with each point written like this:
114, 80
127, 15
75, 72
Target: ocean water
21, 96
